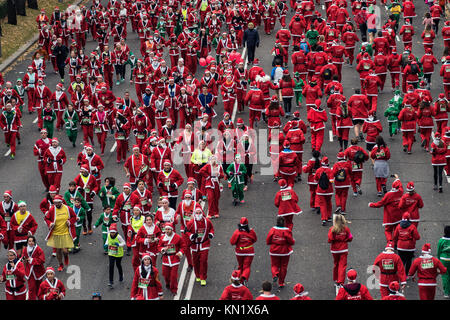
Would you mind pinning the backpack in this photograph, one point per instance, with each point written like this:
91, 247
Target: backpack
359, 157
324, 182
344, 109
341, 175
327, 74
304, 47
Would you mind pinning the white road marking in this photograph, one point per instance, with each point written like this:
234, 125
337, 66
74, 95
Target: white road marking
323, 7
113, 147
397, 37
181, 281
245, 67
190, 286
35, 120
330, 132
7, 153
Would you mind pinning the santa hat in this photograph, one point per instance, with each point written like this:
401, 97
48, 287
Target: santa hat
298, 288
255, 62
161, 96
44, 130
426, 249
191, 180
113, 227
285, 71
240, 121
167, 161
274, 98
168, 225
58, 197
85, 167
127, 185
406, 216
236, 275
50, 269
135, 147
13, 252
340, 155
8, 193
282, 183
188, 193
286, 144
52, 189
137, 206
396, 184
394, 286
437, 135
60, 86
296, 114
243, 221
410, 186
317, 103
389, 246
351, 275
324, 161
55, 140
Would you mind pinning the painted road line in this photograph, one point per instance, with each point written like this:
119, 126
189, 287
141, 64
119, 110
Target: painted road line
245, 67
35, 120
397, 37
330, 132
190, 286
113, 147
181, 281
7, 153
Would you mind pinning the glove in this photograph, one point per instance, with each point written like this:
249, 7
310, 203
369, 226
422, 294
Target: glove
194, 236
160, 185
60, 161
173, 186
135, 132
92, 194
105, 246
210, 235
49, 160
369, 204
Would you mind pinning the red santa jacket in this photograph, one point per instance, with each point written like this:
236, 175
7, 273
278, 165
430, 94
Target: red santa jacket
35, 267
54, 159
339, 241
427, 268
123, 206
411, 203
89, 189
286, 200
280, 241
95, 164
212, 180
359, 106
311, 93
408, 117
329, 173
236, 292
392, 215
14, 279
317, 118
146, 287
372, 130
158, 156
353, 291
288, 162
28, 224
203, 230
147, 239
254, 99
391, 268
169, 247
347, 167
405, 236
60, 100
350, 154
11, 127
51, 291
50, 217
137, 166
170, 181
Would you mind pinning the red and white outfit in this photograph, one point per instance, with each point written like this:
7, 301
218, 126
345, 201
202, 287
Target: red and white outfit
280, 241
339, 250
15, 286
170, 248
54, 159
212, 176
34, 269
286, 200
244, 250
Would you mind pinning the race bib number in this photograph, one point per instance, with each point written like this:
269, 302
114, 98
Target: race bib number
187, 218
143, 283
120, 137
286, 196
144, 202
428, 35
366, 67
355, 166
171, 249
10, 276
140, 136
388, 264
8, 219
97, 130
112, 250
127, 207
201, 233
427, 264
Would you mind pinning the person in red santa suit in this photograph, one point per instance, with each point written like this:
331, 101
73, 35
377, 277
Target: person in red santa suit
411, 202
372, 128
212, 173
244, 238
236, 290
297, 26
186, 108
140, 82
121, 125
168, 182
54, 158
365, 65
161, 110
171, 247
229, 93
335, 99
342, 176
145, 197
13, 275
254, 71
392, 215
317, 117
10, 124
288, 164
256, 104
440, 112
380, 154
51, 288
7, 209
446, 140
136, 167
408, 117
159, 155
359, 106
30, 80
343, 124
357, 155
394, 292
425, 121
122, 210
296, 138
185, 213
353, 290
267, 292
286, 200
427, 268
146, 284
148, 237
100, 122
324, 178
339, 236
280, 240
141, 126
60, 103
394, 66
404, 239
300, 293
33, 258
200, 230
391, 269
88, 187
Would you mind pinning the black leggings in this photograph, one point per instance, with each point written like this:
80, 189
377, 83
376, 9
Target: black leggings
173, 203
61, 71
118, 262
436, 25
89, 218
249, 168
120, 70
428, 77
287, 103
406, 257
438, 174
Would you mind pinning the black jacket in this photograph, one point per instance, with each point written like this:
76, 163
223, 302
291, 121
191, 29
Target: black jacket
60, 52
251, 38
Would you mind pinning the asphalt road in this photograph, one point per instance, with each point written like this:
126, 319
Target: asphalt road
311, 263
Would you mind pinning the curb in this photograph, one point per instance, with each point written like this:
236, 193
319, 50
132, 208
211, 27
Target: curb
11, 59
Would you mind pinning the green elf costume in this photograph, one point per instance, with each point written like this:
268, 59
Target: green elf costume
443, 254
392, 117
105, 220
49, 117
71, 123
298, 88
161, 27
108, 195
20, 89
397, 101
368, 47
81, 214
70, 197
236, 172
312, 37
132, 62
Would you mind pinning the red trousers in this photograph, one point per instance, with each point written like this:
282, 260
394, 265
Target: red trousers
343, 133
425, 134
59, 119
333, 125
339, 267
13, 297
279, 265
188, 253
101, 138
54, 179
88, 133
254, 116
33, 288
408, 139
182, 118
136, 260
356, 179
244, 263
213, 201
427, 292
268, 26
395, 80
325, 206
200, 261
10, 138
125, 233
312, 195
373, 102
380, 182
288, 221
440, 125
229, 105
121, 150
340, 198
274, 158
384, 291
351, 54
290, 179
389, 231
170, 275
140, 89
317, 139
31, 100
383, 80
40, 120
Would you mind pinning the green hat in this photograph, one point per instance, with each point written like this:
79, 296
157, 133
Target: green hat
297, 74
21, 203
397, 91
19, 79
